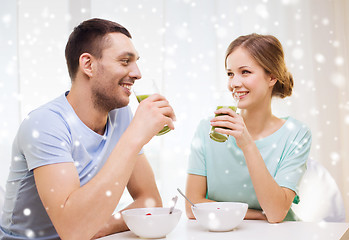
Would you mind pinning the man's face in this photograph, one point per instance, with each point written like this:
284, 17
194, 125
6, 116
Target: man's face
114, 74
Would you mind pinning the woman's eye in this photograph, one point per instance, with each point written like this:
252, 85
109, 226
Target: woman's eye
245, 72
230, 74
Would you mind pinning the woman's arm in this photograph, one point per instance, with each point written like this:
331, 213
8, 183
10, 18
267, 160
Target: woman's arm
196, 192
273, 199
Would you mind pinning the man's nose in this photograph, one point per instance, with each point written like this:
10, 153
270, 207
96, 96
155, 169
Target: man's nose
135, 73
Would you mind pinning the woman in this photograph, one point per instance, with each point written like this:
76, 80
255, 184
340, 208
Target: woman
264, 158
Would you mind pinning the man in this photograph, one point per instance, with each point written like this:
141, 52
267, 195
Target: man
73, 157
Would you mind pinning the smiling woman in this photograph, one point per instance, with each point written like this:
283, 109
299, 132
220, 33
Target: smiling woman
260, 164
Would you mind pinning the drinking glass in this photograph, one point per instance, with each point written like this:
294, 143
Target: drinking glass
143, 88
225, 99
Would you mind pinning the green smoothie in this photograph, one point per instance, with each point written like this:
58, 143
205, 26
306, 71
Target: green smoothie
218, 137
166, 129
141, 97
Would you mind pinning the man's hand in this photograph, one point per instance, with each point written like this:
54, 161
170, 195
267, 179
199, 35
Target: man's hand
152, 114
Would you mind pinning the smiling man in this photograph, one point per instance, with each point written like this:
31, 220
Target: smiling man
74, 156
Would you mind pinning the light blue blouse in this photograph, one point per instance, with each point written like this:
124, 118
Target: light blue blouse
285, 153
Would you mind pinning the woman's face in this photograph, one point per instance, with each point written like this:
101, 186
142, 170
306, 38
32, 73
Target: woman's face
248, 79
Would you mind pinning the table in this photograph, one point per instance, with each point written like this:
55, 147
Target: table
252, 229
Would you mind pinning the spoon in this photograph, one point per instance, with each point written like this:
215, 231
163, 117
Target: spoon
174, 200
185, 197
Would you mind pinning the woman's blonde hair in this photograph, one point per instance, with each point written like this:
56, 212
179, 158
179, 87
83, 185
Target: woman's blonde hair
268, 53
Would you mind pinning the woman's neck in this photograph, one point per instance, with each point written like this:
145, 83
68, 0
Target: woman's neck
260, 122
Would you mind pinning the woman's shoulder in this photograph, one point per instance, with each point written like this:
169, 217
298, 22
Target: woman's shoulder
293, 123
295, 127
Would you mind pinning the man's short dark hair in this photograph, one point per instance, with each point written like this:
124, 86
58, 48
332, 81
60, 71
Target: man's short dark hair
89, 37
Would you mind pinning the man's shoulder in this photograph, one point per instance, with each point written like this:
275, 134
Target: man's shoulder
57, 104
48, 114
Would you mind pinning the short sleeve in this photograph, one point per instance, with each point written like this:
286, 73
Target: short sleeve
197, 161
44, 139
292, 166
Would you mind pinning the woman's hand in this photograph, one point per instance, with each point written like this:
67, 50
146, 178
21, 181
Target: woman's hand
229, 122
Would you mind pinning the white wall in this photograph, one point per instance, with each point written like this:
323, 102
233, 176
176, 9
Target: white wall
9, 84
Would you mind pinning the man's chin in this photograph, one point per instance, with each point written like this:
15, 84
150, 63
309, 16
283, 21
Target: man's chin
122, 104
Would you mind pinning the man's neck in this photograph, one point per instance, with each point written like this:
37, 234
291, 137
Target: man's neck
80, 100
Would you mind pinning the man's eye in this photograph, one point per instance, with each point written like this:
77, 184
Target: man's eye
126, 61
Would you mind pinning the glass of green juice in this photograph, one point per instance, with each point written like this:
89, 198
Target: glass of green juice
227, 100
142, 89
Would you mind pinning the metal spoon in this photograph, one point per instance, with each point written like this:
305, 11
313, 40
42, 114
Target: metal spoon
185, 197
174, 200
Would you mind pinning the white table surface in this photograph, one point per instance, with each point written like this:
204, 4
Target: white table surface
252, 229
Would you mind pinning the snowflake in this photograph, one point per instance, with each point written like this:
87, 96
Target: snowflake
211, 216
117, 215
289, 2
108, 193
339, 61
77, 143
297, 53
346, 119
197, 143
26, 211
221, 32
29, 233
335, 157
35, 134
149, 202
262, 11
325, 21
338, 80
6, 19
320, 58
290, 126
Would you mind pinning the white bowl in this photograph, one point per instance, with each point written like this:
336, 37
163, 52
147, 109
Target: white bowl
151, 222
220, 216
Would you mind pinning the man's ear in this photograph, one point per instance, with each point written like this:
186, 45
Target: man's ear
85, 64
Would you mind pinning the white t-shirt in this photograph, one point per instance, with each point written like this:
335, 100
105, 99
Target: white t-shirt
53, 133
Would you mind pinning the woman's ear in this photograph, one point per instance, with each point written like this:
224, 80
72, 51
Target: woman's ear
85, 64
272, 80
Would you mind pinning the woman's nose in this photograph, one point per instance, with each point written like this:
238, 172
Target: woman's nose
234, 83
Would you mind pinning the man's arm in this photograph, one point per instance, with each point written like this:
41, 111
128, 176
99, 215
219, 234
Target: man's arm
144, 192
79, 212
